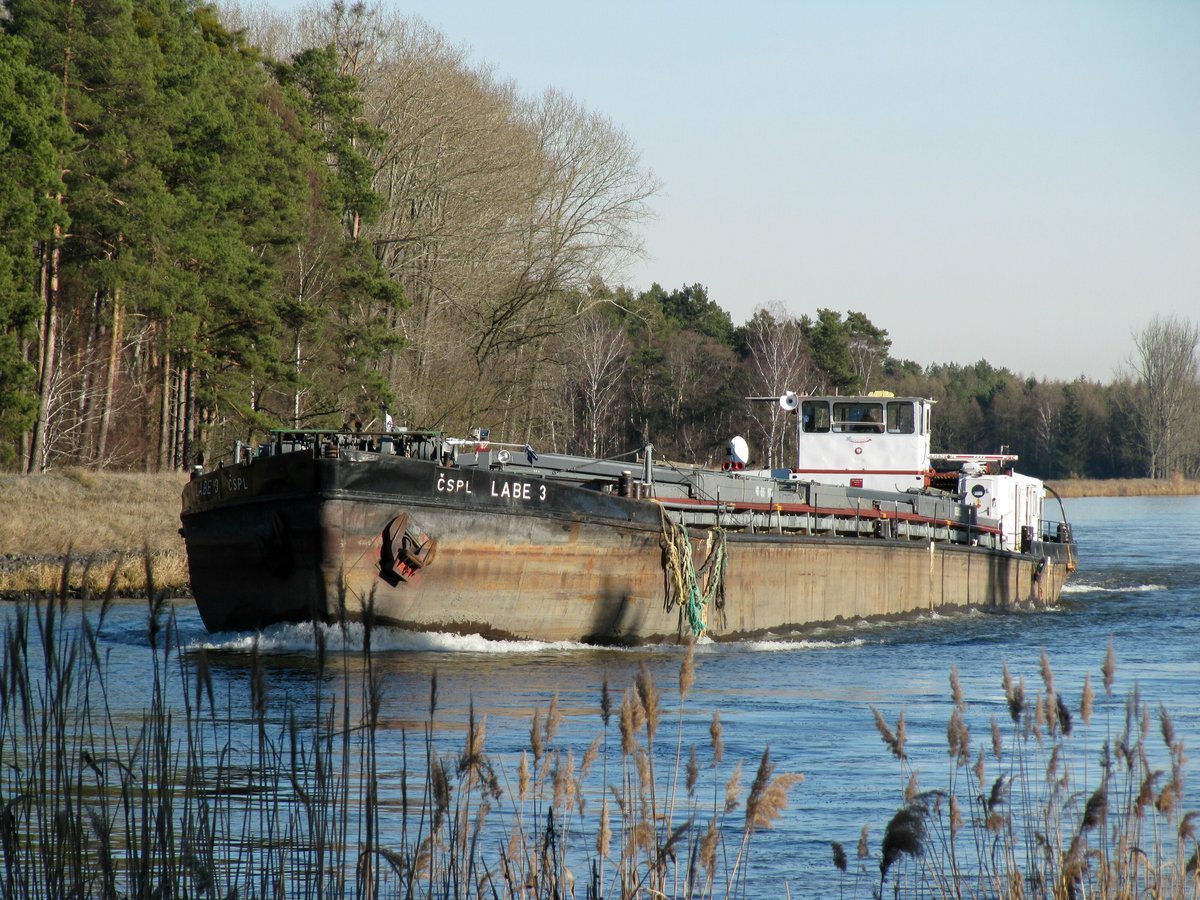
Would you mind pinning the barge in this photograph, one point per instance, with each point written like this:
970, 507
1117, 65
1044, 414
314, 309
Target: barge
424, 532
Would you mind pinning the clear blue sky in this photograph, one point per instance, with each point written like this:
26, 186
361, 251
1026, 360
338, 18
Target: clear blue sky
1017, 182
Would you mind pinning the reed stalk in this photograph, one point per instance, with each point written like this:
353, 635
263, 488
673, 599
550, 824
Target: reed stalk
244, 792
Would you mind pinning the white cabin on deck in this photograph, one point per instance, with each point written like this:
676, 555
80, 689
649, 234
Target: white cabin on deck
1013, 500
879, 442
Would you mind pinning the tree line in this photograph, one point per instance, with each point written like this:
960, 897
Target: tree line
219, 221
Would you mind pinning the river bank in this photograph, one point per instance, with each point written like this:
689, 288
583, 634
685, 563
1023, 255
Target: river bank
108, 521
105, 522
1125, 487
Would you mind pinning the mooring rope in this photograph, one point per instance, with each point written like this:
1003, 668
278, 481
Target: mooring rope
684, 578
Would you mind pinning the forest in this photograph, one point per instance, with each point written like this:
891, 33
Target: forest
218, 221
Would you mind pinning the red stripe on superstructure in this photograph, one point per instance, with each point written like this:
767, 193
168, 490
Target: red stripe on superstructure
914, 472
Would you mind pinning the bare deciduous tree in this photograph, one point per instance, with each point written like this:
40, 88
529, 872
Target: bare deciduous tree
497, 210
779, 363
597, 353
1168, 369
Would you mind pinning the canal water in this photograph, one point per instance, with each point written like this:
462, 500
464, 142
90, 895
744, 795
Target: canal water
810, 700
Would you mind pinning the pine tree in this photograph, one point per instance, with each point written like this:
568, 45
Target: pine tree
32, 136
340, 305
829, 344
1072, 439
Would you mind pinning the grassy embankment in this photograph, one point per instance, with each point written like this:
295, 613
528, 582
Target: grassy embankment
1126, 487
104, 520
98, 516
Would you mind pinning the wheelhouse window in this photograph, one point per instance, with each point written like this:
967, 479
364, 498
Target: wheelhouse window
900, 418
815, 415
863, 418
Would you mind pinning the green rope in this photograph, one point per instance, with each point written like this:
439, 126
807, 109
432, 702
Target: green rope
686, 578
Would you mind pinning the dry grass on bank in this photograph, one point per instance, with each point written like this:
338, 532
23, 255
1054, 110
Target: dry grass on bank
124, 574
90, 514
1176, 486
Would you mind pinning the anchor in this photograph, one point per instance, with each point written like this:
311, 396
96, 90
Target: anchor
404, 552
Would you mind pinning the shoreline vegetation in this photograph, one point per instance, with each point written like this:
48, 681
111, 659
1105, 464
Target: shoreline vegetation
107, 522
160, 807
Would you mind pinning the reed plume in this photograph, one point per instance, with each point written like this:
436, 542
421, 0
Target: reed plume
630, 721
708, 848
472, 759
958, 737
716, 733
1165, 803
433, 693
536, 743
905, 834
768, 794
590, 756
604, 832
560, 778
1096, 810
1063, 715
1166, 726
648, 695
1014, 694
1047, 672
956, 821
1145, 795
523, 777
956, 692
1087, 700
1187, 826
687, 671
553, 720
1109, 668
914, 785
605, 702
733, 788
894, 742
999, 792
839, 856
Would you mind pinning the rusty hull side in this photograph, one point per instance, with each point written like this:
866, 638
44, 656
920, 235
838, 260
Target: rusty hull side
506, 575
513, 557
797, 582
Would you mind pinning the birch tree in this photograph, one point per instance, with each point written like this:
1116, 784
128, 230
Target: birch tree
596, 352
1168, 370
778, 362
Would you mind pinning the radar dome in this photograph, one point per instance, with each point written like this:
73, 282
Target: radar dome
739, 450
